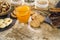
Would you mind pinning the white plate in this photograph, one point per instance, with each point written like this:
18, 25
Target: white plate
33, 29
18, 2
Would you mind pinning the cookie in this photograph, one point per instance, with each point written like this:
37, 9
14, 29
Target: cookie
34, 16
35, 23
40, 18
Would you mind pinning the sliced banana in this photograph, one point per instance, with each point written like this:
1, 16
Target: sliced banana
7, 21
1, 21
2, 25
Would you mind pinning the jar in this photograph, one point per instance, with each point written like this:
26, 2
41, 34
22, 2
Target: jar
29, 2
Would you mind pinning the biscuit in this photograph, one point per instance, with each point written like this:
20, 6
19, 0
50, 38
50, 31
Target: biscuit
37, 19
34, 16
35, 23
32, 12
40, 18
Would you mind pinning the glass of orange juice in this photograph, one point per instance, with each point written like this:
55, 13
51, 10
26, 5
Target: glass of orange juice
23, 13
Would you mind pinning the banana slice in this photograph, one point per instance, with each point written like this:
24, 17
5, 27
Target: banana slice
7, 21
2, 25
1, 21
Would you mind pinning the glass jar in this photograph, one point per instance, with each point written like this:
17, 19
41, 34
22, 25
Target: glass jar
29, 2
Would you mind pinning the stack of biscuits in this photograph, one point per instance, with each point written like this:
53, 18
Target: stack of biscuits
37, 19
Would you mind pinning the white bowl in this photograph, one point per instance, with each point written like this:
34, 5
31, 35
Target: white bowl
41, 5
18, 2
31, 4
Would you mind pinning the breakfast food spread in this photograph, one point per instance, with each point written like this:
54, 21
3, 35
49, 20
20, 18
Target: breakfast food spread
5, 22
23, 12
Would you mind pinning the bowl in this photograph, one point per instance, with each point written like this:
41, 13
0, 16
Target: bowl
7, 10
43, 4
30, 2
16, 2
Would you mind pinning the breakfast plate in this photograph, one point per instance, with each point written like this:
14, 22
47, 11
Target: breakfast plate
9, 17
35, 21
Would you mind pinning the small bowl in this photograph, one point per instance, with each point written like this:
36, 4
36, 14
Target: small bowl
41, 5
29, 3
18, 2
5, 13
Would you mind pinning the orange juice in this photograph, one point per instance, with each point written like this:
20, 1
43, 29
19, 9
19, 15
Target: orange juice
23, 13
